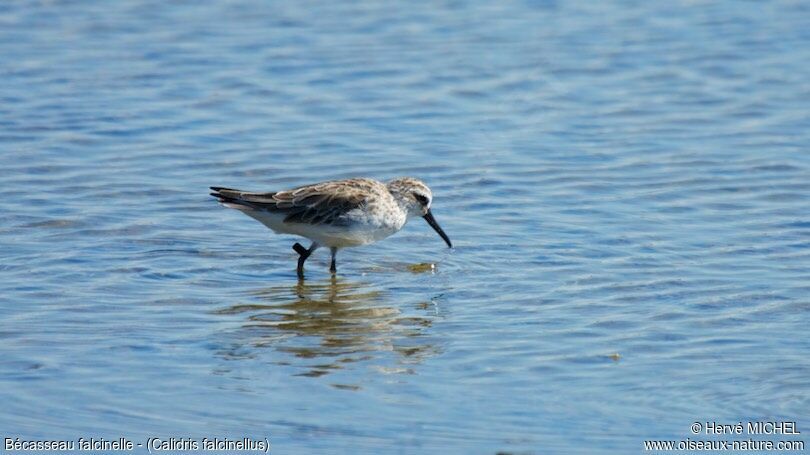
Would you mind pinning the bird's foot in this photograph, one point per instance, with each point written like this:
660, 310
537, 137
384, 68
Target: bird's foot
300, 249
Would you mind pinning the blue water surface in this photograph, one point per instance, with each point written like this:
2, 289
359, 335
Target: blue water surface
626, 183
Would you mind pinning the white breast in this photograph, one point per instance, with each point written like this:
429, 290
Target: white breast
362, 226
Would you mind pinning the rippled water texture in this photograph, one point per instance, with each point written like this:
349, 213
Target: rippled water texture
626, 184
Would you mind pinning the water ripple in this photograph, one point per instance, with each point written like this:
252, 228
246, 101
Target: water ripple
626, 186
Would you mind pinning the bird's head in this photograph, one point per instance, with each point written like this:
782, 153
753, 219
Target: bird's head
415, 198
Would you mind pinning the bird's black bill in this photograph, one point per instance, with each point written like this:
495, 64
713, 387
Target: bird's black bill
432, 222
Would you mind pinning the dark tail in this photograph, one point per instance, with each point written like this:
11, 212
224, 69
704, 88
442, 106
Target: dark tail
237, 197
223, 194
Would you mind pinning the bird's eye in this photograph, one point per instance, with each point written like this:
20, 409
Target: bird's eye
421, 199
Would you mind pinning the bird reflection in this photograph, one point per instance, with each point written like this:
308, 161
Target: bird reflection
327, 326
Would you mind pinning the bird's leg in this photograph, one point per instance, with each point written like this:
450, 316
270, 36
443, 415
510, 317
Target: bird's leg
300, 249
333, 266
303, 255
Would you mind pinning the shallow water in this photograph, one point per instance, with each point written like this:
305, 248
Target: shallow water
626, 185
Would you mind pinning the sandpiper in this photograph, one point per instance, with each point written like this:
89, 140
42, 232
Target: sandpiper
337, 214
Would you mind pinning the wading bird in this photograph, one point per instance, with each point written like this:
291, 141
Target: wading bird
337, 214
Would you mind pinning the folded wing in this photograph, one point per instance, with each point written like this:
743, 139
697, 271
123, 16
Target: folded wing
312, 204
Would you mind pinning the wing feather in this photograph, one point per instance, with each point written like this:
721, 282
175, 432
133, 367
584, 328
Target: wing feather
321, 203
